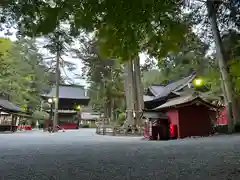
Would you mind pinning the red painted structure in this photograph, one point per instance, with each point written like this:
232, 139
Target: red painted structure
222, 119
172, 130
156, 125
23, 127
68, 126
187, 116
190, 116
191, 121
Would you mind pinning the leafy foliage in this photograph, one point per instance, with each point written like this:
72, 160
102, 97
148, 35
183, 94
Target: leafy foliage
105, 78
191, 57
121, 118
228, 14
231, 40
123, 28
23, 74
176, 65
40, 115
153, 76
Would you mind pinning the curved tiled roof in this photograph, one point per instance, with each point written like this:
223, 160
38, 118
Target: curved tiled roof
147, 98
68, 92
7, 105
161, 92
183, 100
156, 89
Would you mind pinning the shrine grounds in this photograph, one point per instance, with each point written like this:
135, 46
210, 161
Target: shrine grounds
83, 155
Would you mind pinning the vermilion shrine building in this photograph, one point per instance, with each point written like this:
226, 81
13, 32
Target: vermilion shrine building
176, 107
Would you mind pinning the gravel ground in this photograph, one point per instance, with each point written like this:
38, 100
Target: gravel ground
82, 155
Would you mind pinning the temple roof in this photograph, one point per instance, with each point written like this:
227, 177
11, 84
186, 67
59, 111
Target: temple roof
156, 89
147, 98
154, 114
184, 100
160, 91
68, 92
8, 106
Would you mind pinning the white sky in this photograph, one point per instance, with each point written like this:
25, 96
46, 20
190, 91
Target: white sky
76, 61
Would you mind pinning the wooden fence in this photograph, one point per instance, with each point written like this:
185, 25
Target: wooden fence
115, 131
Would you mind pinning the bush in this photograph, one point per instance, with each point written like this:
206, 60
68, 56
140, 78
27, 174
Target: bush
221, 129
40, 115
93, 125
224, 128
46, 106
237, 128
121, 118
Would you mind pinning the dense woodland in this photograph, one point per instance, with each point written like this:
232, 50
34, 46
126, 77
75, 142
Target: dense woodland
23, 73
176, 38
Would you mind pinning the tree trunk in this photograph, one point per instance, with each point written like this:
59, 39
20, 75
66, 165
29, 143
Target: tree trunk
13, 122
55, 118
135, 96
128, 91
112, 110
139, 90
109, 107
131, 90
223, 90
231, 106
104, 84
105, 109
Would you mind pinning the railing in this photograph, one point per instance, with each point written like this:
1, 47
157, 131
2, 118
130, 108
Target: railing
64, 111
116, 131
105, 129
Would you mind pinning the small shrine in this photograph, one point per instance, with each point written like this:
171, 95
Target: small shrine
176, 110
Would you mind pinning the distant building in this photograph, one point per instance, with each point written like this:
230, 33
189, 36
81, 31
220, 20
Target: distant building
71, 99
9, 114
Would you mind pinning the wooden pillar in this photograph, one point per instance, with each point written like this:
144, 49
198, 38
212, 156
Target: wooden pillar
12, 119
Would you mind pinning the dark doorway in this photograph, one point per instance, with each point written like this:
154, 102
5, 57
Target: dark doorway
164, 129
160, 129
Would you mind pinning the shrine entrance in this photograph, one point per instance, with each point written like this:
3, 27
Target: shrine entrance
160, 129
157, 125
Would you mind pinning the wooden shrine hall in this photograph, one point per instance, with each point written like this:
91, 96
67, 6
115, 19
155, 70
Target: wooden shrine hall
71, 99
180, 112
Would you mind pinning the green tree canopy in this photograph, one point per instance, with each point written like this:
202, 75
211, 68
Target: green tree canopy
105, 79
123, 28
23, 75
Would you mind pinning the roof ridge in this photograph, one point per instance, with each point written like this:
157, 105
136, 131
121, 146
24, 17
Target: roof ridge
173, 81
191, 77
69, 85
181, 100
191, 74
157, 85
175, 86
8, 105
